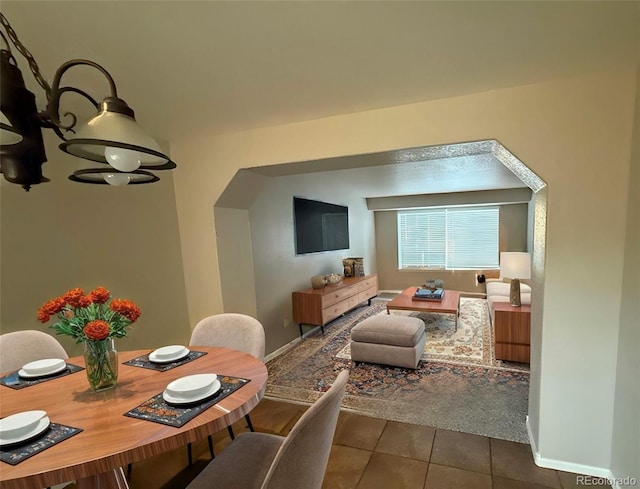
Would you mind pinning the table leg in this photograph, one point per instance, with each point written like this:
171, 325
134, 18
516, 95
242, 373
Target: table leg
114, 479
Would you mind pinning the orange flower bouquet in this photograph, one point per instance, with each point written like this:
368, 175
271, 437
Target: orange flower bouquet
95, 320
94, 316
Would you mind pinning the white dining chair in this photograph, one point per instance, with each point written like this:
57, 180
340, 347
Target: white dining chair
230, 330
21, 347
266, 461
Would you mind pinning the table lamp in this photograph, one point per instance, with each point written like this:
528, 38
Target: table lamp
516, 266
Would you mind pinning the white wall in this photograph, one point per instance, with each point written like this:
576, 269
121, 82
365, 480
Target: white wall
277, 269
564, 131
625, 460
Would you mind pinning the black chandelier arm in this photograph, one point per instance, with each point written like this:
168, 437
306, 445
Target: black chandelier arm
57, 130
53, 105
80, 92
54, 122
75, 62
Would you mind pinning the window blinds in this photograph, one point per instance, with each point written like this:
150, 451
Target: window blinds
453, 238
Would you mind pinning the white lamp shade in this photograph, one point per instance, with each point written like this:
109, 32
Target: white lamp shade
114, 130
515, 265
101, 176
8, 134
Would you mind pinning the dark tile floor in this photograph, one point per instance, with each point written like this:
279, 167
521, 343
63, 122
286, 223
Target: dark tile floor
370, 453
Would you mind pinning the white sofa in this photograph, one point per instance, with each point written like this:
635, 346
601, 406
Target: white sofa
498, 291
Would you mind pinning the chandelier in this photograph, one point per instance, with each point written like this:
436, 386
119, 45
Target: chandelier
112, 138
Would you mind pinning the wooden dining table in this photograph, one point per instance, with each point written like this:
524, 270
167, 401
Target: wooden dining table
110, 440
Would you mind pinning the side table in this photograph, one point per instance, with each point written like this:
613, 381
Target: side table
512, 328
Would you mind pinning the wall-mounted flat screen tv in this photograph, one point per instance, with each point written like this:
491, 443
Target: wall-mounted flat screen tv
320, 226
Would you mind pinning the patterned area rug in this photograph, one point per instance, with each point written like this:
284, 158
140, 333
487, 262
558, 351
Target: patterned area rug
467, 342
459, 387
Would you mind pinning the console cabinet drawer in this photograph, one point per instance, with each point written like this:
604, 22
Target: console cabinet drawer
338, 295
367, 294
338, 309
368, 284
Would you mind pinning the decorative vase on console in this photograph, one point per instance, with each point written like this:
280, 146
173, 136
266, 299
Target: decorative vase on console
318, 281
333, 278
94, 320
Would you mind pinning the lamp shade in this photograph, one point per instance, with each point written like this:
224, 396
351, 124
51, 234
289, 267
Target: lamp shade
99, 176
115, 138
515, 265
8, 134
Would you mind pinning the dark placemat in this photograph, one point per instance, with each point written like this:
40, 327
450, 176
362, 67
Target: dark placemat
158, 410
14, 454
14, 381
144, 362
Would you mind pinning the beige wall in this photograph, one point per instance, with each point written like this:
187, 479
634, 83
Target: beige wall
235, 250
513, 237
62, 235
564, 131
626, 429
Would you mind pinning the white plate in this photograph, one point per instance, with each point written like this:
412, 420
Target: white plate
191, 386
181, 400
155, 359
42, 425
44, 367
20, 423
168, 352
27, 375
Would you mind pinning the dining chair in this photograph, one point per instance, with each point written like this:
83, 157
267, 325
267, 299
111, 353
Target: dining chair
21, 347
266, 461
230, 330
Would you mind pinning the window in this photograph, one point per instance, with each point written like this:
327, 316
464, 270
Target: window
449, 238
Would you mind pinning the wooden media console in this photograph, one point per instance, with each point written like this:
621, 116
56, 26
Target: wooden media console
317, 307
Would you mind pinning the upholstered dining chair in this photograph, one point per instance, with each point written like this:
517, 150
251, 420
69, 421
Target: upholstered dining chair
265, 461
230, 330
21, 347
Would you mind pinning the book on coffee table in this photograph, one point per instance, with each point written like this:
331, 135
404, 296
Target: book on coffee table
429, 295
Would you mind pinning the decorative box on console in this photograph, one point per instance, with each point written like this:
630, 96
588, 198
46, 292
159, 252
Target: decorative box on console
353, 267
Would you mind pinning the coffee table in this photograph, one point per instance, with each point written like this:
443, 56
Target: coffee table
405, 302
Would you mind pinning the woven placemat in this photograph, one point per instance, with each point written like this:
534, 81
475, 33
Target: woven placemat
158, 410
14, 381
143, 361
14, 454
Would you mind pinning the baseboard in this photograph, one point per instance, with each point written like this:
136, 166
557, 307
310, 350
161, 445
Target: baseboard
595, 473
282, 349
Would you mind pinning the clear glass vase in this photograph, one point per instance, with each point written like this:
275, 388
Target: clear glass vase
101, 363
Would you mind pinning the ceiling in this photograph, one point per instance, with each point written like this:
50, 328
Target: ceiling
188, 66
